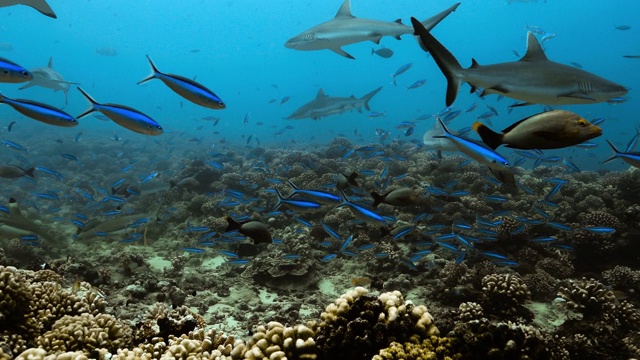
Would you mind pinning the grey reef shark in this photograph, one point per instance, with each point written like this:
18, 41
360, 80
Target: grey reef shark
47, 77
324, 105
40, 5
534, 79
345, 29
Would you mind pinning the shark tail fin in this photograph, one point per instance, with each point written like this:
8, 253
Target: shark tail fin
92, 107
488, 136
615, 150
42, 7
29, 172
154, 72
447, 63
368, 97
431, 22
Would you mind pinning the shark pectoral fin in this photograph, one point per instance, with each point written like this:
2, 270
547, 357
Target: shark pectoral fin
42, 7
576, 95
26, 86
341, 52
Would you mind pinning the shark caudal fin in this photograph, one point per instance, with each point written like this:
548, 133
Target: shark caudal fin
368, 97
431, 22
488, 136
447, 63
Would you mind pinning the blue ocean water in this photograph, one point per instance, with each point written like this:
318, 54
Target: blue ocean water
236, 49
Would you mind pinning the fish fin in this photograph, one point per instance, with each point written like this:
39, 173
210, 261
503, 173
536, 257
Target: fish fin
377, 199
345, 11
376, 38
321, 94
29, 172
576, 95
91, 100
534, 50
293, 186
488, 136
520, 104
447, 63
398, 37
42, 7
473, 89
512, 126
496, 88
154, 72
28, 85
474, 64
341, 52
232, 224
368, 97
352, 179
431, 22
50, 64
615, 150
398, 21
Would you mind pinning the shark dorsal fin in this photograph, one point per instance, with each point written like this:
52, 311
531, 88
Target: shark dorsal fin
321, 94
345, 10
398, 21
534, 50
50, 65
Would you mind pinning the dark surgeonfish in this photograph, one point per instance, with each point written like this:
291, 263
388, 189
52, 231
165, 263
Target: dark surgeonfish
40, 5
343, 181
11, 72
383, 52
533, 79
14, 172
254, 229
187, 88
554, 129
15, 224
40, 111
404, 196
124, 116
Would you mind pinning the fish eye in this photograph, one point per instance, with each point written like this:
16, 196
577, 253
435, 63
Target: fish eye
6, 71
582, 122
25, 73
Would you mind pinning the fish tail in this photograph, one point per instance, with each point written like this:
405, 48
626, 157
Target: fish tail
488, 136
232, 224
615, 150
447, 63
154, 71
431, 22
1, 98
293, 186
377, 199
352, 179
280, 198
29, 172
368, 97
92, 107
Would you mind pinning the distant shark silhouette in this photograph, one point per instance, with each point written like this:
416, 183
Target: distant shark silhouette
533, 79
40, 5
347, 29
324, 105
47, 77
14, 224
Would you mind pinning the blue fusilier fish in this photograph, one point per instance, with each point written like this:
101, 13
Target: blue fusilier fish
318, 196
476, 150
41, 112
187, 88
361, 212
11, 72
296, 204
124, 116
631, 158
